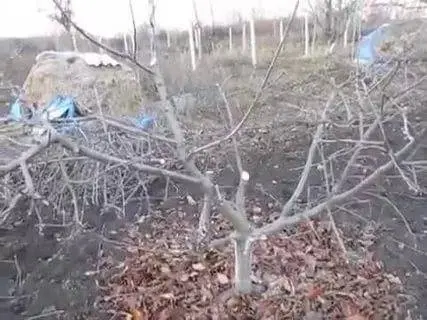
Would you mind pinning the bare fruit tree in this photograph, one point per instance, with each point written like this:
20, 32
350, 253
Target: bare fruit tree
335, 17
192, 47
132, 155
253, 40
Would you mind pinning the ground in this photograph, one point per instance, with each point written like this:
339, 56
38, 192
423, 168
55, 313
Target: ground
67, 273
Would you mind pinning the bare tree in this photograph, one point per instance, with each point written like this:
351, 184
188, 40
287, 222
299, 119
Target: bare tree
212, 31
134, 36
281, 29
328, 19
197, 30
314, 36
253, 40
192, 47
100, 41
230, 39
306, 36
244, 37
125, 43
332, 16
62, 18
168, 39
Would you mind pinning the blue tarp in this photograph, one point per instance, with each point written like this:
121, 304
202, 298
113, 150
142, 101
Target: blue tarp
62, 107
16, 111
144, 122
367, 49
66, 107
59, 108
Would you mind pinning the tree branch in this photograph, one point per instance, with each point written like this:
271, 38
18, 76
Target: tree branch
283, 221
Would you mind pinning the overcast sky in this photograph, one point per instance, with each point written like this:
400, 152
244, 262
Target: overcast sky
23, 18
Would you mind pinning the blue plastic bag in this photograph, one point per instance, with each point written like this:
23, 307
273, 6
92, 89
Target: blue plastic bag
16, 110
367, 53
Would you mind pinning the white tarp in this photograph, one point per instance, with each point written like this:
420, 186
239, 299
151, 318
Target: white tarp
91, 58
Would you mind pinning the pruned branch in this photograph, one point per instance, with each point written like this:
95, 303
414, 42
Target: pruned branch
338, 199
307, 168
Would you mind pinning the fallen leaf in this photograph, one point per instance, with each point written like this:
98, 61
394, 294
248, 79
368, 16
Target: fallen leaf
169, 296
198, 267
222, 278
314, 293
135, 315
165, 269
184, 277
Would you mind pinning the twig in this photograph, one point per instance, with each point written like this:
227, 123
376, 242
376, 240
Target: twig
308, 164
409, 183
328, 208
45, 315
70, 188
18, 271
335, 200
244, 175
27, 178
396, 209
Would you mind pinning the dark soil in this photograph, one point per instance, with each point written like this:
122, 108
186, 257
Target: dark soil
58, 268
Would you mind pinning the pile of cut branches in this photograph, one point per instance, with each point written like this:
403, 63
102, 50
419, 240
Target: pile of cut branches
97, 161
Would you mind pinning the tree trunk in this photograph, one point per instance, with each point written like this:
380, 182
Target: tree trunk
196, 38
347, 27
274, 29
100, 40
168, 39
253, 41
243, 266
74, 39
125, 43
314, 36
244, 38
307, 36
281, 29
354, 38
230, 39
132, 41
328, 20
192, 49
199, 40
